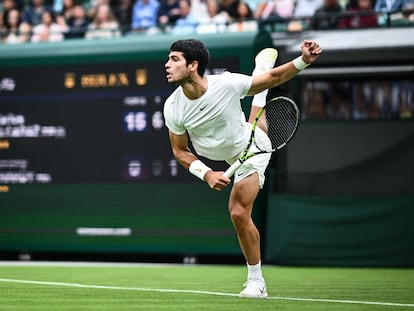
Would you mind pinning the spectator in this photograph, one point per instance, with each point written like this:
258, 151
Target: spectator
77, 24
33, 14
306, 8
338, 107
409, 12
67, 9
351, 4
390, 6
373, 110
123, 13
278, 9
327, 16
359, 111
25, 31
48, 30
302, 14
363, 16
8, 5
256, 6
315, 107
259, 8
199, 10
245, 22
57, 5
230, 7
187, 23
144, 14
91, 13
281, 11
396, 11
168, 13
216, 23
104, 25
16, 31
402, 101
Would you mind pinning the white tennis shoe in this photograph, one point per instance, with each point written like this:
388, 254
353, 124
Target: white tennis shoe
254, 288
265, 60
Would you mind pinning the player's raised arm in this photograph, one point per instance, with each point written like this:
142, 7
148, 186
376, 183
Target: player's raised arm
283, 73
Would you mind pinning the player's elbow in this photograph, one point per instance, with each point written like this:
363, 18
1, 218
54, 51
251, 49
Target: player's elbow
275, 80
264, 82
177, 153
181, 155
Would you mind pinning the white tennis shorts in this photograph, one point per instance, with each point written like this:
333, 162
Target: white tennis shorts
258, 163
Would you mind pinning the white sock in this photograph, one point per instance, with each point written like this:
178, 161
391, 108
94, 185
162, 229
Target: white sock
259, 100
255, 271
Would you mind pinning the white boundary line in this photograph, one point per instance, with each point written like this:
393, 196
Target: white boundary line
19, 263
200, 292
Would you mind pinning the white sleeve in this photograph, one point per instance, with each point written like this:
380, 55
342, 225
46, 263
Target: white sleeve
171, 118
240, 82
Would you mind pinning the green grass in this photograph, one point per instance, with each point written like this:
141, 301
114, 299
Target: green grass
126, 283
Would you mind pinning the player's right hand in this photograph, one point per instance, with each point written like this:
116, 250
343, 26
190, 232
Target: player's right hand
216, 180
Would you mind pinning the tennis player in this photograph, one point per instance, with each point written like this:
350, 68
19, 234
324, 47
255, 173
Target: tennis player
206, 109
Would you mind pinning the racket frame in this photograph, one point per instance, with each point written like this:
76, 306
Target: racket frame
245, 155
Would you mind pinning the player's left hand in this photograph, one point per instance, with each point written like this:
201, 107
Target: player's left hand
310, 51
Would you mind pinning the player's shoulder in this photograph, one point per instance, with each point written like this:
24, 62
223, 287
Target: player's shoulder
224, 75
174, 96
227, 77
234, 80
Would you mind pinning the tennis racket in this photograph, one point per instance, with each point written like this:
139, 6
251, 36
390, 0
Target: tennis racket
282, 119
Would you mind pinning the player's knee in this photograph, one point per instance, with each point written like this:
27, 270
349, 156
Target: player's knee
239, 216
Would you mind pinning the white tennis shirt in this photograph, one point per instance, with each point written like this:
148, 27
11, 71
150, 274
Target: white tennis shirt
215, 122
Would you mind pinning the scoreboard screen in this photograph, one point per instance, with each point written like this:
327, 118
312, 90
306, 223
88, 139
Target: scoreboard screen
87, 123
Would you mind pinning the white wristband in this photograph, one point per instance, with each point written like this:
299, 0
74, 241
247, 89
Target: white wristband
199, 169
299, 63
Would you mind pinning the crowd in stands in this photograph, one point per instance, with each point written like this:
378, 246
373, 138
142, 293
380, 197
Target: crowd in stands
57, 20
358, 100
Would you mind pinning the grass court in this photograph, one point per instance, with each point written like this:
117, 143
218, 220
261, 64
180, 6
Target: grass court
27, 286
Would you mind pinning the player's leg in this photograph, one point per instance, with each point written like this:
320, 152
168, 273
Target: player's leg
264, 61
248, 181
241, 202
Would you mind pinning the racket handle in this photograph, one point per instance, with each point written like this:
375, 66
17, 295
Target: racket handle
232, 169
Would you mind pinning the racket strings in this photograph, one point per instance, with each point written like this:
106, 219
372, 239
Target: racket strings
282, 118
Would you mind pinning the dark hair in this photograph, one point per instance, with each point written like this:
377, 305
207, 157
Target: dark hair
193, 50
